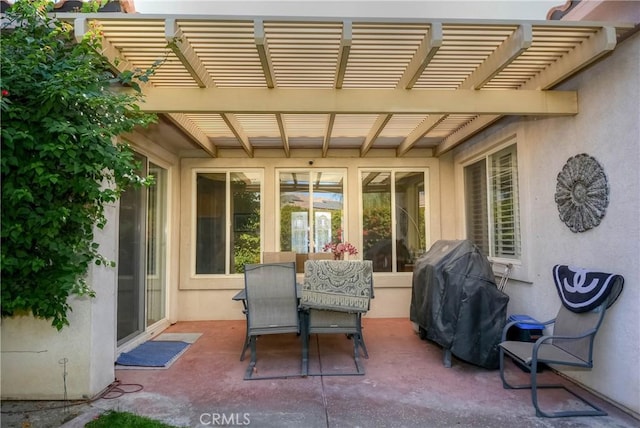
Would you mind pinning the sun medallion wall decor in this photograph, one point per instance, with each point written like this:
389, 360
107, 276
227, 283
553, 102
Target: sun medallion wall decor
582, 193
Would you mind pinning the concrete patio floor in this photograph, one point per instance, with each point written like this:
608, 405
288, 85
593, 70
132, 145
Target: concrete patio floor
405, 385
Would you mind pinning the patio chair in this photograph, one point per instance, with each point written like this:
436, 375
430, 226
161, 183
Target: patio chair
585, 296
321, 256
335, 294
267, 257
278, 256
272, 304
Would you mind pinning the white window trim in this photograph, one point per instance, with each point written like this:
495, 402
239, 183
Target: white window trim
345, 203
427, 209
194, 215
504, 138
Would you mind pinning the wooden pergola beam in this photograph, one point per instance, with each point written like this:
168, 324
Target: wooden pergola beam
184, 52
354, 101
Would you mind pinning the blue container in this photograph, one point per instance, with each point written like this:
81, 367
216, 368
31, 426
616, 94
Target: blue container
528, 331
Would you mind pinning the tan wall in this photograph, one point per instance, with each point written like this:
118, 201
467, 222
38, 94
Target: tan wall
34, 353
607, 128
209, 297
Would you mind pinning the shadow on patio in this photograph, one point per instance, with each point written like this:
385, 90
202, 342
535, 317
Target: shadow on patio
405, 385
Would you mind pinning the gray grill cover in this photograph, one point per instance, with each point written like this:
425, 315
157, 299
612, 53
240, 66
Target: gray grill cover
456, 303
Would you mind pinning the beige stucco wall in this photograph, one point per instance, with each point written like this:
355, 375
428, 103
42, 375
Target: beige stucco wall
607, 128
209, 297
34, 352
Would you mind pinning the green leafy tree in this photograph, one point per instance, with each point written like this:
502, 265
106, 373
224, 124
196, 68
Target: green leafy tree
246, 243
376, 226
285, 225
60, 162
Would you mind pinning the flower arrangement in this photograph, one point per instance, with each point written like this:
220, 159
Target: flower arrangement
340, 248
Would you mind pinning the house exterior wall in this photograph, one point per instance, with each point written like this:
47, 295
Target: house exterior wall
33, 352
35, 355
208, 297
607, 127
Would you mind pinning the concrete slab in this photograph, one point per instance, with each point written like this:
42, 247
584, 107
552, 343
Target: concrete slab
405, 385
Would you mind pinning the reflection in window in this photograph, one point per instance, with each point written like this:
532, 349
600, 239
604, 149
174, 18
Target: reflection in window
245, 197
299, 227
222, 196
322, 228
311, 209
393, 218
410, 220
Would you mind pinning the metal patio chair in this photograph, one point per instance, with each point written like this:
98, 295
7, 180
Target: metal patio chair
267, 257
278, 256
585, 296
272, 304
329, 279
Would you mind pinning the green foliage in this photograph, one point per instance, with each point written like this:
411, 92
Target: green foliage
285, 225
113, 418
246, 242
246, 249
376, 226
60, 165
93, 5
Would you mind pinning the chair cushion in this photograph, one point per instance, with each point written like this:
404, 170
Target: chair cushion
337, 285
582, 290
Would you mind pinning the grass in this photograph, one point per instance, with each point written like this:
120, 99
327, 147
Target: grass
114, 419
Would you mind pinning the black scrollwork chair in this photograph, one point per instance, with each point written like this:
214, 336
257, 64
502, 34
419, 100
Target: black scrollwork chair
585, 296
272, 303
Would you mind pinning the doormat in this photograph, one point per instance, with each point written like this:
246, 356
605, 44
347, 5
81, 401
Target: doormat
182, 337
156, 354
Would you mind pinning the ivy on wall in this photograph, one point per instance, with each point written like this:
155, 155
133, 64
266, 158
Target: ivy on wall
60, 165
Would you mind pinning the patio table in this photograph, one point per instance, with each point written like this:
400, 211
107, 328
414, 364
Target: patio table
242, 295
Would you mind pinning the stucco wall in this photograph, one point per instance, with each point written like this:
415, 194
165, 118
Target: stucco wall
34, 353
207, 297
607, 128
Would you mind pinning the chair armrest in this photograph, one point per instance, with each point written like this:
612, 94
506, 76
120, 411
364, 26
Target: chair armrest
587, 333
543, 339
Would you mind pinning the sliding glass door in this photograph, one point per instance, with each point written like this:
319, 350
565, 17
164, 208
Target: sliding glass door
156, 246
142, 254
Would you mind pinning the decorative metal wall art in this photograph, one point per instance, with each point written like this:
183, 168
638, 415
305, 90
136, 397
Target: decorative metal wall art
582, 193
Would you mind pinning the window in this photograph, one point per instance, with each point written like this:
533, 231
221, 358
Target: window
311, 209
393, 218
228, 206
491, 202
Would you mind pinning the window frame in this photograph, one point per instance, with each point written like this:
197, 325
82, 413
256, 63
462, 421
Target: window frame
228, 214
427, 213
345, 200
466, 157
491, 195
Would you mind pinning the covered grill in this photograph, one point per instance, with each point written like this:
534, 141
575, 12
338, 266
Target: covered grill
456, 304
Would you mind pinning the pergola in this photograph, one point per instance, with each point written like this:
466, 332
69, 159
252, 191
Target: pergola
252, 83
